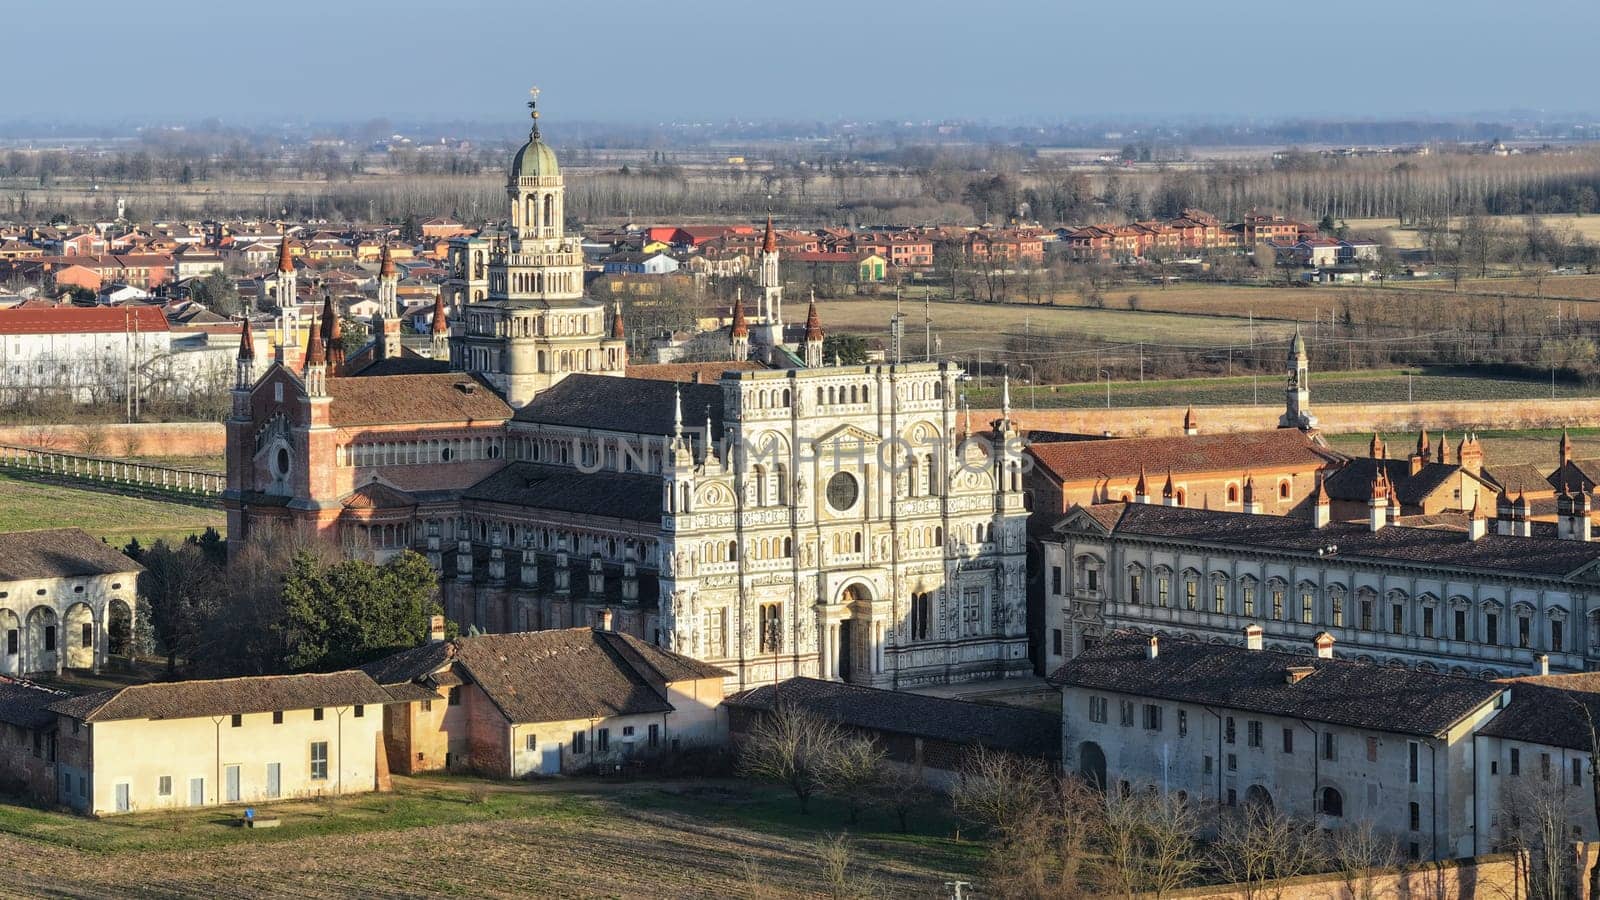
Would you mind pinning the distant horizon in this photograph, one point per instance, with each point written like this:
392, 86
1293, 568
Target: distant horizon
1012, 62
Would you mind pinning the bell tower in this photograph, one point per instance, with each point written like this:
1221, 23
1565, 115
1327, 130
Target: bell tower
536, 326
1297, 394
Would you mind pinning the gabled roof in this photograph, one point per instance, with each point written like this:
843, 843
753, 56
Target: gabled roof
1337, 691
1354, 480
377, 495
1015, 729
225, 696
1553, 710
629, 405
59, 553
1280, 448
82, 320
413, 399
605, 493
27, 705
1505, 554
559, 675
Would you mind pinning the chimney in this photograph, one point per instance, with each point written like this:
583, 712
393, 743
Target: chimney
1154, 649
1503, 515
1191, 426
436, 630
1478, 523
1324, 644
1252, 637
1378, 506
1541, 664
1322, 509
605, 619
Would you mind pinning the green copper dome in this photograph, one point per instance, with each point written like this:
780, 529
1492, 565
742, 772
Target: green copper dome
534, 160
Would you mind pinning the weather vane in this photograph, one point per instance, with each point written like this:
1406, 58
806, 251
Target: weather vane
533, 106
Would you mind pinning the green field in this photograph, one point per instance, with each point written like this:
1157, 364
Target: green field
26, 505
1385, 386
445, 836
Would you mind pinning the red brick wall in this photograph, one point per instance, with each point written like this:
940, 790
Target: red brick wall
154, 439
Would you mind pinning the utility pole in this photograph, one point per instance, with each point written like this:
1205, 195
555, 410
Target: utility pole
927, 326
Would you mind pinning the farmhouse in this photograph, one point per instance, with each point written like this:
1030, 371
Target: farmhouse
545, 702
232, 740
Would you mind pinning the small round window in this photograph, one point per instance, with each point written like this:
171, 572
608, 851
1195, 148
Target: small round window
283, 460
842, 491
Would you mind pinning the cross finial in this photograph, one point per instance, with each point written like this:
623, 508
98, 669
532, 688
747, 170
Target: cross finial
533, 107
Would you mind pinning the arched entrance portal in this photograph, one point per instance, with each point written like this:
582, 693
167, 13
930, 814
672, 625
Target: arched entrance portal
78, 637
119, 629
11, 650
1092, 764
41, 650
1256, 795
850, 653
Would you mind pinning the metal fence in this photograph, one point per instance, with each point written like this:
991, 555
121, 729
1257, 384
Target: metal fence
95, 469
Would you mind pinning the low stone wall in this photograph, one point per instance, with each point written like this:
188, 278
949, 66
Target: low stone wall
1499, 875
1333, 418
120, 440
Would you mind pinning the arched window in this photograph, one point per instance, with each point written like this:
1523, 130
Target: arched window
858, 542
1233, 493
1332, 803
550, 211
866, 394
733, 551
1283, 490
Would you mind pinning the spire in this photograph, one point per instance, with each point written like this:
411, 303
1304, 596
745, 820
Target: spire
1167, 491
813, 321
1190, 425
1322, 490
441, 321
1444, 441
1142, 489
328, 319
769, 242
1566, 446
386, 262
677, 413
1005, 397
1423, 445
285, 260
315, 355
741, 326
247, 347
1375, 449
334, 336
616, 323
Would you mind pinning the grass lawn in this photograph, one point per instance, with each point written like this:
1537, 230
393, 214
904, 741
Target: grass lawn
971, 325
453, 836
28, 505
1378, 386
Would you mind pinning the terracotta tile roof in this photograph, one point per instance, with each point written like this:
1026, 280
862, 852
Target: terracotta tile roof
1280, 448
574, 673
225, 696
413, 399
693, 372
27, 705
410, 665
1519, 478
1024, 731
377, 495
1354, 480
59, 553
1502, 554
629, 405
1338, 691
605, 493
82, 320
1549, 710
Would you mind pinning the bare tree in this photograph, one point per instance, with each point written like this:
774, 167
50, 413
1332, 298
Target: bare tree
851, 770
1048, 852
1356, 851
1147, 843
836, 858
789, 745
1535, 810
1258, 848
903, 790
998, 790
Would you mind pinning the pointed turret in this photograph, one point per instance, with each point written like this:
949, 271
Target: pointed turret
1444, 441
814, 335
388, 283
386, 267
1190, 425
245, 362
1423, 446
1566, 447
285, 257
316, 371
739, 333
1478, 522
769, 241
1169, 494
1322, 506
332, 335
440, 336
1141, 491
617, 333
1375, 448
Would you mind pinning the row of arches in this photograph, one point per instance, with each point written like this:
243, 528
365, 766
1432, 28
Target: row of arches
420, 452
1332, 605
834, 395
48, 639
768, 398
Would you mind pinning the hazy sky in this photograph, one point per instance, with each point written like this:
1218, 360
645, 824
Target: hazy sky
710, 59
